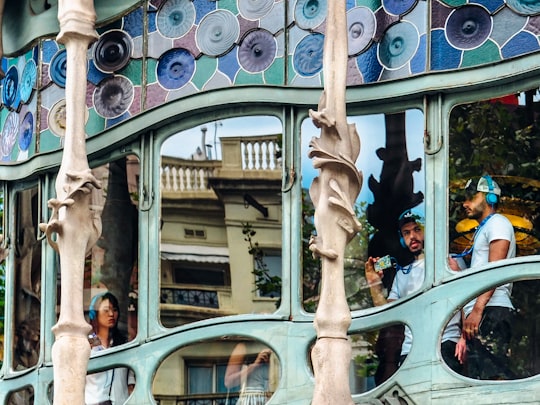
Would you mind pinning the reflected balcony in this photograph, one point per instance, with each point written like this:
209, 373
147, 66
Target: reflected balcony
254, 158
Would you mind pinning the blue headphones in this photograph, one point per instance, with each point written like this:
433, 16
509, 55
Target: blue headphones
402, 241
491, 197
92, 312
405, 214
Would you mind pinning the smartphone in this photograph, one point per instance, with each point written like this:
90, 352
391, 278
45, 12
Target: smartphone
383, 263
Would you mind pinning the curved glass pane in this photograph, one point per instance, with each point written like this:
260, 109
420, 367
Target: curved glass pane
221, 220
391, 161
493, 214
114, 385
505, 345
111, 269
376, 356
22, 396
496, 137
231, 370
27, 313
3, 254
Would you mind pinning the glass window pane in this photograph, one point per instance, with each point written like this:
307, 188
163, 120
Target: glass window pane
219, 370
22, 396
112, 384
376, 356
391, 161
505, 347
3, 254
27, 281
221, 220
111, 270
494, 208
199, 379
499, 138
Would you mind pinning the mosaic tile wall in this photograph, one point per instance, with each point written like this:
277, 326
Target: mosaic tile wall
170, 49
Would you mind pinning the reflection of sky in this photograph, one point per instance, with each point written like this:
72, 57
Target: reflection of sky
370, 129
185, 143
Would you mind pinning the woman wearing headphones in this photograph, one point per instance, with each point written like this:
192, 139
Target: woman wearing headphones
110, 386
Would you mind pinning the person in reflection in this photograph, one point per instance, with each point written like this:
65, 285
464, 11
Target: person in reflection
110, 386
26, 353
487, 326
252, 377
408, 280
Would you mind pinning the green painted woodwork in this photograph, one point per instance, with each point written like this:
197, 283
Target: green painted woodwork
23, 27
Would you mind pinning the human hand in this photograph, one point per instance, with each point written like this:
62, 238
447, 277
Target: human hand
263, 356
372, 277
453, 264
471, 325
461, 350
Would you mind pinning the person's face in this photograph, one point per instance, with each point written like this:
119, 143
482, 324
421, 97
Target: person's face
413, 235
107, 314
475, 206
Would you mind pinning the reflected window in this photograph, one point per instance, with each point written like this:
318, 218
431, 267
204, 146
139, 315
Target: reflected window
220, 239
231, 370
391, 160
205, 377
27, 312
111, 269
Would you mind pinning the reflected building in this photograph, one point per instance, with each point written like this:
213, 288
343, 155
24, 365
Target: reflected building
210, 252
220, 223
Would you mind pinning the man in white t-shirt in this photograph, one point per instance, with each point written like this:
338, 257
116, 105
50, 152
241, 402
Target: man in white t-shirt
410, 279
487, 326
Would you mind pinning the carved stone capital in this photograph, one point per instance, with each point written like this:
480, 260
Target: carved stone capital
76, 18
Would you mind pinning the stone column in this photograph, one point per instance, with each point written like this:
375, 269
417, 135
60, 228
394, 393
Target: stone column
72, 229
333, 193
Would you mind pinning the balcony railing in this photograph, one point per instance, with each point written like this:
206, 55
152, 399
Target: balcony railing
209, 399
243, 157
182, 175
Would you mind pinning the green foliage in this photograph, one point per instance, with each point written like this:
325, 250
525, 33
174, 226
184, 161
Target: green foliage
367, 364
492, 137
500, 140
267, 284
358, 295
503, 140
311, 268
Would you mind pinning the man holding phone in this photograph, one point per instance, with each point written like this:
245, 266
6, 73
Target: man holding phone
408, 280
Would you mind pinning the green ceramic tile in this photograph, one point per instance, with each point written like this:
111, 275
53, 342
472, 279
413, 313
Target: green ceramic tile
487, 53
205, 68
454, 3
275, 74
133, 71
95, 123
151, 70
371, 4
244, 77
48, 141
228, 5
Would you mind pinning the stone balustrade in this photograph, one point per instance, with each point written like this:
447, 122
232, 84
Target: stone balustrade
243, 157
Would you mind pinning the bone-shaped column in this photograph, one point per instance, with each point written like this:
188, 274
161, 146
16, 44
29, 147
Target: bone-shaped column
72, 229
333, 193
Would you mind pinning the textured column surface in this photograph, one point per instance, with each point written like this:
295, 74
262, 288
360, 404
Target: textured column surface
72, 229
333, 193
